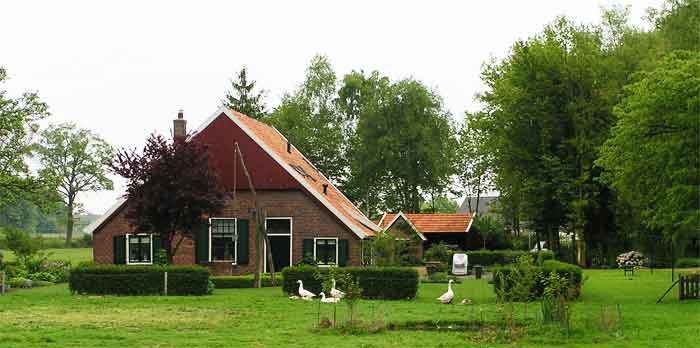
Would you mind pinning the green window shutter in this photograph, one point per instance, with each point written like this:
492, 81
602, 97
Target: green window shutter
308, 248
119, 249
343, 252
202, 242
242, 246
157, 243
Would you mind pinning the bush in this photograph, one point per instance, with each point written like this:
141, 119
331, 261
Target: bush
631, 259
440, 278
573, 274
43, 276
505, 257
688, 262
138, 280
439, 252
21, 243
391, 283
58, 269
243, 281
19, 283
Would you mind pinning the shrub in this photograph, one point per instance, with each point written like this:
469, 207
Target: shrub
439, 252
138, 280
631, 258
58, 269
503, 282
43, 276
19, 282
390, 283
688, 262
504, 257
440, 278
243, 281
21, 243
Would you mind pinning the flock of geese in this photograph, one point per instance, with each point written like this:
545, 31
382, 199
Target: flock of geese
307, 295
336, 295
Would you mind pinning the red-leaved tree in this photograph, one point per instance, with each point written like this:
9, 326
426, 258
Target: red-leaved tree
171, 187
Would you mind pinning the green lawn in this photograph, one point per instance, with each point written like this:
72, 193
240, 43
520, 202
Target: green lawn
75, 255
51, 317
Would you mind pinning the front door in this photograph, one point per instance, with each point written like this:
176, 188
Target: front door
280, 251
279, 231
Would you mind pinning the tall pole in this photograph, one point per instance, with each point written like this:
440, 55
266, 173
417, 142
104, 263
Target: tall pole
261, 232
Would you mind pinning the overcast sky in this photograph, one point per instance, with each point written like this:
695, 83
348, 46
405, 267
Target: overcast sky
124, 69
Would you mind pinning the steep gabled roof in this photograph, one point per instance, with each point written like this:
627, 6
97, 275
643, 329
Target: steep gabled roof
294, 162
431, 223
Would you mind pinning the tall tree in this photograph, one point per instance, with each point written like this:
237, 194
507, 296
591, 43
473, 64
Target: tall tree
243, 98
473, 171
548, 109
309, 118
404, 143
170, 188
652, 157
19, 119
76, 160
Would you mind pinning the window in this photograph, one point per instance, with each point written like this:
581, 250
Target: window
139, 248
222, 239
279, 226
326, 251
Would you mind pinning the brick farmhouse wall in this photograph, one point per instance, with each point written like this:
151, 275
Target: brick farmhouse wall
309, 220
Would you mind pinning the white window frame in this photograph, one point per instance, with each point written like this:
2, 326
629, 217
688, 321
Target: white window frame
291, 239
336, 252
128, 235
235, 240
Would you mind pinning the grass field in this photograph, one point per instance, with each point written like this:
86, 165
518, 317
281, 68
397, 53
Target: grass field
75, 255
51, 317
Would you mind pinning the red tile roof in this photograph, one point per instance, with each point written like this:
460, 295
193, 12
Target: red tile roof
300, 167
433, 223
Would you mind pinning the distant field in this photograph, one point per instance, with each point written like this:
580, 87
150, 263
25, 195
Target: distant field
75, 255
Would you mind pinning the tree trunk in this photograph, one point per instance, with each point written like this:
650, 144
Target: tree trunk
69, 224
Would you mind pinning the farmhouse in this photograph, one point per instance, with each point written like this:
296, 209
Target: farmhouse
306, 214
422, 230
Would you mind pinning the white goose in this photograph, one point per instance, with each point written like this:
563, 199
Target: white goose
449, 295
335, 292
305, 294
325, 299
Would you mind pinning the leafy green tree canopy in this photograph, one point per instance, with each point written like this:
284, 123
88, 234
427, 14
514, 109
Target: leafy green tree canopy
652, 157
75, 160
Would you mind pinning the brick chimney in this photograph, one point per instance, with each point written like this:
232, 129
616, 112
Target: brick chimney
179, 126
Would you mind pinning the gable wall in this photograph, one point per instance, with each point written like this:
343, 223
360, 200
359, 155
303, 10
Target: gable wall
220, 137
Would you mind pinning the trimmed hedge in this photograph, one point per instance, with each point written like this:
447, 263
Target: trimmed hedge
572, 272
243, 281
138, 280
390, 283
688, 262
504, 257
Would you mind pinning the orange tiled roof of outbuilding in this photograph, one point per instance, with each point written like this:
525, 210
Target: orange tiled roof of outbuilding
433, 223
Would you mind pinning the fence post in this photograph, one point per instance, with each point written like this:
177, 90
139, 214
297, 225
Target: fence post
165, 283
2, 283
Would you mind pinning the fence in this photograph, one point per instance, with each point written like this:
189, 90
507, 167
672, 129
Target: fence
689, 286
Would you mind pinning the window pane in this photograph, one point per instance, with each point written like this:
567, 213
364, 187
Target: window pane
278, 226
139, 249
325, 251
223, 239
